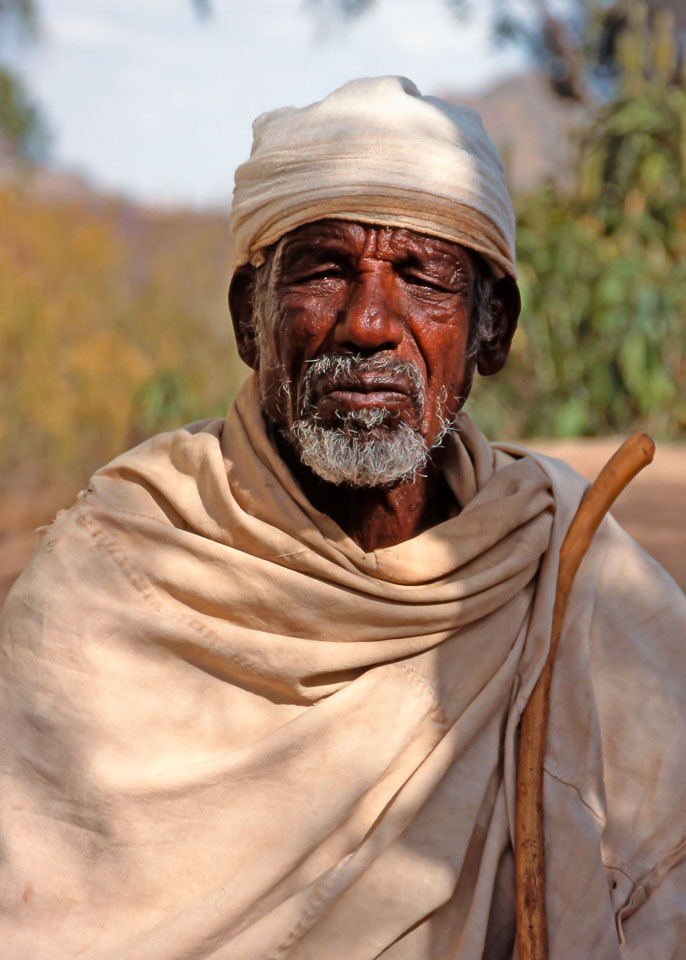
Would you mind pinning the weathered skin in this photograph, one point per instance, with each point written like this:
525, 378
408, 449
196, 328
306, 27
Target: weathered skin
346, 287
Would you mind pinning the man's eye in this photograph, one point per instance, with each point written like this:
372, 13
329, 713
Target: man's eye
417, 280
321, 273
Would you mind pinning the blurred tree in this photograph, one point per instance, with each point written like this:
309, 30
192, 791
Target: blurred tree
603, 268
574, 42
23, 132
112, 327
202, 7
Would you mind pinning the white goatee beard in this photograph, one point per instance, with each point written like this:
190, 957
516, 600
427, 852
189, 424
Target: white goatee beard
364, 448
359, 455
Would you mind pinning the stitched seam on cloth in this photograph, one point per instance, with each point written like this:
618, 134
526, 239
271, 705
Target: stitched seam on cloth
96, 533
612, 866
319, 899
574, 787
145, 589
642, 891
122, 511
618, 916
418, 678
637, 898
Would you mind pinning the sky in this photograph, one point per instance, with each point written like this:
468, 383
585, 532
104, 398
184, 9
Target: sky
147, 99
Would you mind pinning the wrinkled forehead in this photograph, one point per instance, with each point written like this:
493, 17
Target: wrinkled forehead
351, 239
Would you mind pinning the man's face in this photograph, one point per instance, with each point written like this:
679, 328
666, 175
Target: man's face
365, 329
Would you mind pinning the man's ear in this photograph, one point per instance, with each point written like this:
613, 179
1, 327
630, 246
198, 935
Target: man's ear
506, 304
241, 305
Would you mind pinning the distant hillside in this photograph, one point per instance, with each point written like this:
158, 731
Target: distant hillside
529, 125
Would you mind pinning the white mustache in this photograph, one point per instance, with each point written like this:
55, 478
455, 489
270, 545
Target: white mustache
344, 367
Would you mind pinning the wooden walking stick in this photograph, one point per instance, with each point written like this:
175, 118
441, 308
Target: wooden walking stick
532, 940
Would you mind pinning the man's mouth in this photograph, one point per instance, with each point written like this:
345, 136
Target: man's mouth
379, 389
356, 391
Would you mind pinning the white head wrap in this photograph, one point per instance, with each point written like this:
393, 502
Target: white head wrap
375, 151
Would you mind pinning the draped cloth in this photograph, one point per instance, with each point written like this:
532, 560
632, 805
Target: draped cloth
375, 151
229, 732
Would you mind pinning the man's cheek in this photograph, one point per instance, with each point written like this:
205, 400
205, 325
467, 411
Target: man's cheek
311, 320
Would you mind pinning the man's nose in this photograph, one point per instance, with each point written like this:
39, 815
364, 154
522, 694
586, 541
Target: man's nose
368, 322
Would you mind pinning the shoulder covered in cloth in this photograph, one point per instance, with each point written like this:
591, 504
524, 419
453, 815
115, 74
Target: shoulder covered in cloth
228, 731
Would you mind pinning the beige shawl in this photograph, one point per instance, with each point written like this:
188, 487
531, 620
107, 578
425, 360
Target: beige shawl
228, 732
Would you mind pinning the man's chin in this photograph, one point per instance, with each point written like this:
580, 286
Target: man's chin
361, 450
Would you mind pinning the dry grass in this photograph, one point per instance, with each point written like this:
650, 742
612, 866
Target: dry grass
113, 326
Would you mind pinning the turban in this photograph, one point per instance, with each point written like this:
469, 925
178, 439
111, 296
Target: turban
375, 151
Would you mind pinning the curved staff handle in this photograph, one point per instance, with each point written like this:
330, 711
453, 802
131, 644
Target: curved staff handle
532, 939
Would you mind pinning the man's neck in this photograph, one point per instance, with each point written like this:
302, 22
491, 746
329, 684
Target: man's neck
377, 517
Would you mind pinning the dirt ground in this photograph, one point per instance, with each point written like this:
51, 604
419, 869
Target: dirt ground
652, 508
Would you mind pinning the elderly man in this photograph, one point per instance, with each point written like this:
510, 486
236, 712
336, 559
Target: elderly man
262, 683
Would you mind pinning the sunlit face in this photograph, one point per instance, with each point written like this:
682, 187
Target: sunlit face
367, 330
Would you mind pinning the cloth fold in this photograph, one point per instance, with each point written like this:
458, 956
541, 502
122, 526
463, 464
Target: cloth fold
229, 732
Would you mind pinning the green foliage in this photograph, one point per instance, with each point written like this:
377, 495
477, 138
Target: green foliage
19, 15
22, 128
342, 8
603, 271
21, 123
567, 41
